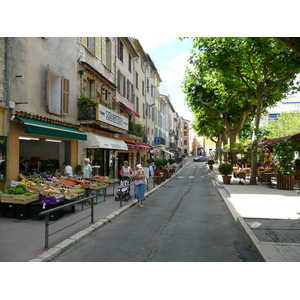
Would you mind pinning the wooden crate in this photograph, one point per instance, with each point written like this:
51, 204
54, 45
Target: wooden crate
7, 198
98, 187
67, 182
19, 199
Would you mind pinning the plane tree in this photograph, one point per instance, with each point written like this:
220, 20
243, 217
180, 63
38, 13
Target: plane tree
261, 69
214, 102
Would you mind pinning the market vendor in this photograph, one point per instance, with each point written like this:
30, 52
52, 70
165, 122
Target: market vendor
68, 171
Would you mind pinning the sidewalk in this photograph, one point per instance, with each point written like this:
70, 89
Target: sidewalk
24, 240
270, 218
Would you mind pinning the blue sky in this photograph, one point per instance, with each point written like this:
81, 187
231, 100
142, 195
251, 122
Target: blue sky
170, 57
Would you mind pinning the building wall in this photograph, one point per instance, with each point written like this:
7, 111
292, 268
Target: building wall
30, 58
123, 67
2, 70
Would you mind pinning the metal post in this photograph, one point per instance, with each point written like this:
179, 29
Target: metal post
92, 210
121, 198
46, 230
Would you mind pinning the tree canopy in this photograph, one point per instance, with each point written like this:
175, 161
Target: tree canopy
237, 78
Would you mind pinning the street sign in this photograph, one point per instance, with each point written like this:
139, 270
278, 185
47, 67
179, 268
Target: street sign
157, 141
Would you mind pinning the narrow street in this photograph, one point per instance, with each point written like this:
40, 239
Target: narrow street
186, 220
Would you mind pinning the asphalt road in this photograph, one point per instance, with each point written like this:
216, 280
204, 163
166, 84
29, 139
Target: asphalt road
186, 220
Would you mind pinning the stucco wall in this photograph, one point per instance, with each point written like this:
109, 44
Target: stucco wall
29, 60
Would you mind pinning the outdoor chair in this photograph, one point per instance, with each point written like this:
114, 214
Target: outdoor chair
240, 176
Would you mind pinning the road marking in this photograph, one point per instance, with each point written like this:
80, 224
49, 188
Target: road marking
180, 176
191, 176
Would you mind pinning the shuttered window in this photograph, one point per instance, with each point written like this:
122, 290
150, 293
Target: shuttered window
65, 96
58, 93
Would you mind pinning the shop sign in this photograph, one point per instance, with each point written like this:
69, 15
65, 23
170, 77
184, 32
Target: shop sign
109, 116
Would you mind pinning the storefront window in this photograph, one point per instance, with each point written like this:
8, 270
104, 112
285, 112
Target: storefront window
3, 147
102, 161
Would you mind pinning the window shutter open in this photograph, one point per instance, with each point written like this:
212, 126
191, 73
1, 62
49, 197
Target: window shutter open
112, 56
84, 41
65, 96
104, 50
98, 47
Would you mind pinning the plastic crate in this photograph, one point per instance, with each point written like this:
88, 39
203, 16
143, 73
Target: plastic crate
35, 209
52, 200
9, 210
22, 211
1, 209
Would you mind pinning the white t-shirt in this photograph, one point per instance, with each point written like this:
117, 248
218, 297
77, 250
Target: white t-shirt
126, 171
68, 170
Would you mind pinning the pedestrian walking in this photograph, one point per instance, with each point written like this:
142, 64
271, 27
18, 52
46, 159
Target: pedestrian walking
140, 184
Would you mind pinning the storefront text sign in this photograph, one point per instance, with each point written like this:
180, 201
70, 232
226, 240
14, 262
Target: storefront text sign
111, 117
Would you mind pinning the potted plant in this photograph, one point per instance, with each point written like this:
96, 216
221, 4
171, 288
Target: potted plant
225, 169
83, 100
284, 153
210, 163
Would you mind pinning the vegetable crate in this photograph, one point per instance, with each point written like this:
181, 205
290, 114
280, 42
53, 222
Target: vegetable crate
19, 199
7, 198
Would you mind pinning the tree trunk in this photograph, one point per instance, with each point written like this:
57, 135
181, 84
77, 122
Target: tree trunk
255, 141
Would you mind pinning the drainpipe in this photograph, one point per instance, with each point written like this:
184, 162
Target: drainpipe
7, 94
7, 71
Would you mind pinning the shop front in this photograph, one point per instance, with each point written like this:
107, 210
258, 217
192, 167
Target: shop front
137, 153
103, 153
39, 146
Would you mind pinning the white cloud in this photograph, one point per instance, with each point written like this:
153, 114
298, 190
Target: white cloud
150, 42
173, 75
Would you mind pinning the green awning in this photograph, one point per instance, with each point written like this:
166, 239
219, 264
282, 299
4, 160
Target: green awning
47, 129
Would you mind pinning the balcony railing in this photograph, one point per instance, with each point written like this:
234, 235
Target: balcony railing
87, 112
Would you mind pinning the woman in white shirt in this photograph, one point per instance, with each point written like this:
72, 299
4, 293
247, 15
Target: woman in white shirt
87, 169
126, 171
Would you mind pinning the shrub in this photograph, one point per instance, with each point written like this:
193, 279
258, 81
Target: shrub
225, 169
210, 161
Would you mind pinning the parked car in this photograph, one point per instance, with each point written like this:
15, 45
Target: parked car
202, 158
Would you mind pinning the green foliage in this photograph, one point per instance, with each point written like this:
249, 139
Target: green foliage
136, 129
17, 190
210, 161
158, 162
171, 161
225, 169
150, 161
284, 153
165, 162
288, 123
234, 79
86, 100
78, 169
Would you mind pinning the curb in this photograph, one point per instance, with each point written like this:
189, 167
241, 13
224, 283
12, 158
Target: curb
62, 247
